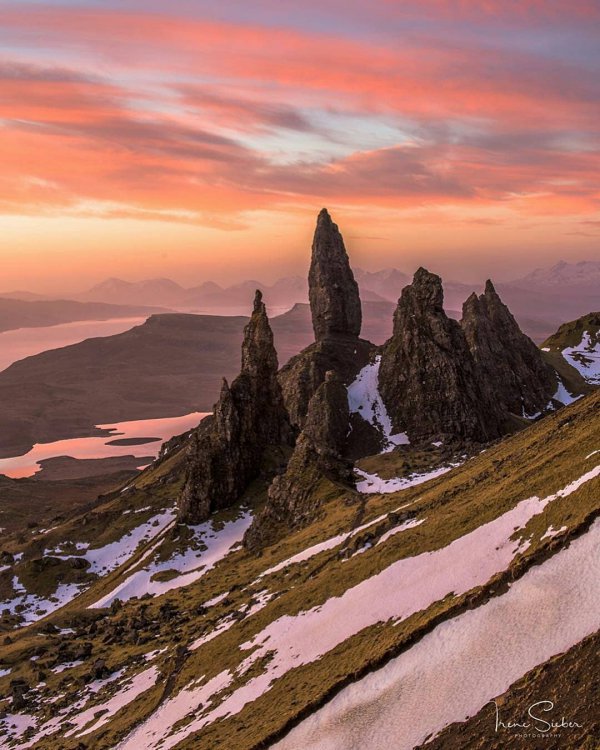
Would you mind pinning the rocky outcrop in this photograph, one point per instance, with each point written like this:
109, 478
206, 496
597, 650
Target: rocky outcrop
510, 364
228, 449
428, 378
332, 289
295, 497
305, 372
336, 318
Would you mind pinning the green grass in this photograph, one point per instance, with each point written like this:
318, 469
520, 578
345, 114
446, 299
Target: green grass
537, 461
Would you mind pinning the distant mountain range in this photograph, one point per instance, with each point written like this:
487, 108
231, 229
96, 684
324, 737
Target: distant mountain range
541, 300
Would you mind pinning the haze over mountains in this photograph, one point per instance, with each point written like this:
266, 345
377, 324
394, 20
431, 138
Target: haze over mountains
541, 300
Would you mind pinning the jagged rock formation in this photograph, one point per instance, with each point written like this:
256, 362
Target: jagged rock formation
428, 378
228, 449
336, 318
510, 365
294, 496
332, 289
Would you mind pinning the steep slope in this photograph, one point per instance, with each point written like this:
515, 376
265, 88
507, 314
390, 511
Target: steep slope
575, 350
225, 649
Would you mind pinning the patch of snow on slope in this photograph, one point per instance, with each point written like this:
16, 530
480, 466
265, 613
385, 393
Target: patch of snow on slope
401, 527
364, 399
551, 531
32, 607
107, 558
374, 483
328, 544
465, 662
563, 395
206, 549
405, 587
137, 685
78, 715
585, 358
15, 724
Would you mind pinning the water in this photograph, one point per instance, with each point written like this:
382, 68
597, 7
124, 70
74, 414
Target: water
97, 447
25, 342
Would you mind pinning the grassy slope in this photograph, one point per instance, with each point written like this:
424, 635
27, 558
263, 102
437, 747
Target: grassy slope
538, 461
570, 334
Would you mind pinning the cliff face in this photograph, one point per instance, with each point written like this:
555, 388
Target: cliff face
428, 378
227, 449
510, 364
294, 497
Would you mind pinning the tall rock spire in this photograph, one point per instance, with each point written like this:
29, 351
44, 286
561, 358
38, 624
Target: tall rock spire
227, 451
511, 365
333, 291
336, 316
427, 377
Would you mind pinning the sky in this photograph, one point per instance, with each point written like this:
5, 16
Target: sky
198, 140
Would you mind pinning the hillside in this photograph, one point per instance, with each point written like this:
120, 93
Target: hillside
368, 531
170, 365
17, 313
266, 640
575, 349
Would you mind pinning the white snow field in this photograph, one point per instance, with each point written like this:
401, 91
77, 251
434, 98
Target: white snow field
465, 662
374, 483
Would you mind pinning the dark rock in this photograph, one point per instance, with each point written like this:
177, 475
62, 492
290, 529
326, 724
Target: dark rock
427, 377
333, 291
294, 497
336, 316
99, 670
228, 449
510, 364
304, 373
6, 558
78, 563
19, 689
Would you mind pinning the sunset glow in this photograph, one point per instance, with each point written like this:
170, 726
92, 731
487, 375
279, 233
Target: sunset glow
140, 139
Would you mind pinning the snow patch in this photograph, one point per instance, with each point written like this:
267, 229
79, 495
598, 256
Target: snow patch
206, 549
373, 483
365, 399
585, 358
563, 395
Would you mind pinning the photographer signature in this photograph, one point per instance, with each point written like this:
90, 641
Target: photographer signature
535, 722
